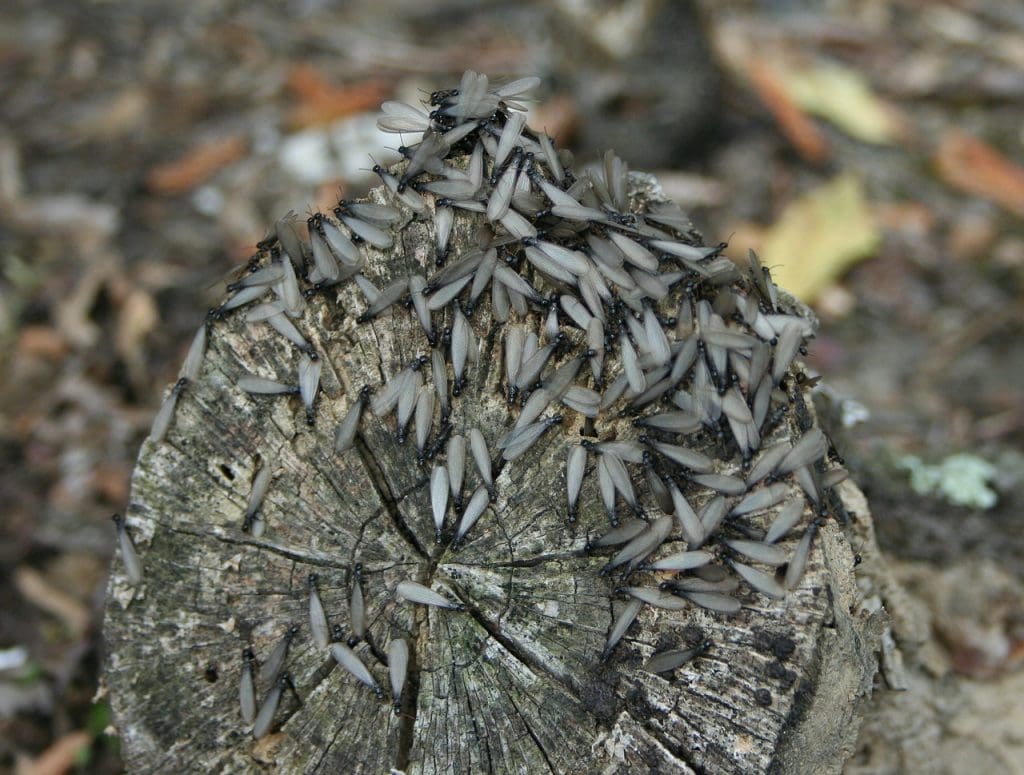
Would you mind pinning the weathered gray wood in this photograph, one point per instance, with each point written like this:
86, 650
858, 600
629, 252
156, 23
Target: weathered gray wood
513, 684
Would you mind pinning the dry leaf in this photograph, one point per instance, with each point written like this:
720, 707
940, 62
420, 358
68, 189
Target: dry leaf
35, 588
138, 318
843, 97
59, 758
119, 116
819, 236
41, 342
73, 314
197, 166
110, 481
760, 63
321, 102
808, 140
559, 116
970, 165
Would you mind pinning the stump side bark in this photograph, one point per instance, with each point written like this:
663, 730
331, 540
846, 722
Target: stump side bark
513, 684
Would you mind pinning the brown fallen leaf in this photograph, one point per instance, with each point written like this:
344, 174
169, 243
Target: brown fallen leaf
800, 130
327, 195
118, 116
819, 236
320, 101
59, 758
197, 166
35, 588
559, 116
972, 235
110, 481
42, 342
911, 219
976, 168
137, 319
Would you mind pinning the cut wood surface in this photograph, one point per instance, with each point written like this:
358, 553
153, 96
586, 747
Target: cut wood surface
513, 679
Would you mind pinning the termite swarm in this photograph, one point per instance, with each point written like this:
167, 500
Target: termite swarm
657, 368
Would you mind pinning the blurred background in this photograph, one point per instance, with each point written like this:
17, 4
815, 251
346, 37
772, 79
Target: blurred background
870, 150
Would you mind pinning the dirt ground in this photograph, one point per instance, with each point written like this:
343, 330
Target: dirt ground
871, 152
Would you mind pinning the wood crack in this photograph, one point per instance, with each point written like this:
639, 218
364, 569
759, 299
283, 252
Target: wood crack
534, 737
677, 750
512, 647
387, 497
531, 562
290, 554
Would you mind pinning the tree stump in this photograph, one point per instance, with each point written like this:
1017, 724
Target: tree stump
514, 680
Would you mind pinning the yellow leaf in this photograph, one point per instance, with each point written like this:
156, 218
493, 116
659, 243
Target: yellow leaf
843, 97
819, 236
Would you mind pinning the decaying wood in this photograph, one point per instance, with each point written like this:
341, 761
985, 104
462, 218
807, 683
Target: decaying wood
515, 683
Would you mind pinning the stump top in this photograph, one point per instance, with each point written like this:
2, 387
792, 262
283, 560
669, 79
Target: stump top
530, 659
